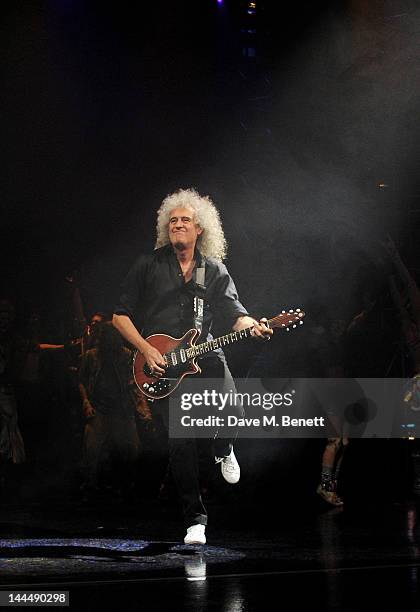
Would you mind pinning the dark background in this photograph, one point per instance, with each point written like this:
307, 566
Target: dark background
300, 121
289, 119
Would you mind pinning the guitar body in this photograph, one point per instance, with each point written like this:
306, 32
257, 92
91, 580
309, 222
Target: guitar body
178, 364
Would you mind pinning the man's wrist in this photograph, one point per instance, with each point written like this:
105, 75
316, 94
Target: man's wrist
143, 346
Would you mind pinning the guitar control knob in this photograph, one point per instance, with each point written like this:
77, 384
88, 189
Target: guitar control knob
151, 389
145, 385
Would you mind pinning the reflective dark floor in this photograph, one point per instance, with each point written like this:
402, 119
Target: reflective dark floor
366, 556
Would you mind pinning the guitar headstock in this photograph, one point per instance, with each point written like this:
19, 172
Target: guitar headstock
287, 319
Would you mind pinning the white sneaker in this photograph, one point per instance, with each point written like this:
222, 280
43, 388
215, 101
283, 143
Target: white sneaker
196, 534
229, 466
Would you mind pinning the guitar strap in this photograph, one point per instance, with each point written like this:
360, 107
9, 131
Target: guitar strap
200, 292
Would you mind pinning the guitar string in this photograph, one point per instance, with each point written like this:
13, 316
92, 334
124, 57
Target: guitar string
211, 345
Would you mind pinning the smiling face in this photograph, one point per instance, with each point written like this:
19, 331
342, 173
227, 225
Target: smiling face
183, 229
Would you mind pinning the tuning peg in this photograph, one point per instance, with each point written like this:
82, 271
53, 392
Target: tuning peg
294, 326
297, 309
283, 312
300, 322
287, 329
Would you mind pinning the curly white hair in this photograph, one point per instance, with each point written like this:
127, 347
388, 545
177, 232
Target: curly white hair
212, 242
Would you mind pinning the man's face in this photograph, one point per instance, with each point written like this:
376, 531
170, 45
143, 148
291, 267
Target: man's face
183, 229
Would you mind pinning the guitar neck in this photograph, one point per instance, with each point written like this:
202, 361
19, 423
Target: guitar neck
220, 342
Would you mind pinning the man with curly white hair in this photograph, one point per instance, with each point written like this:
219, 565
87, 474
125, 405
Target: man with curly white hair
158, 297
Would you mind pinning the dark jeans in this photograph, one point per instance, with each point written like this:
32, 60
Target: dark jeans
183, 455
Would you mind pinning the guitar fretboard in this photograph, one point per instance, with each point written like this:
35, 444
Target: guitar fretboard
181, 355
216, 343
284, 320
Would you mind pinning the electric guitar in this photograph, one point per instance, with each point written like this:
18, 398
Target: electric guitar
180, 354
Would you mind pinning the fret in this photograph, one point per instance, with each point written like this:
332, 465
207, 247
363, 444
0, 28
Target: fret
215, 343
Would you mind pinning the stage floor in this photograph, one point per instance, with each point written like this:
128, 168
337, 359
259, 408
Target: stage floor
355, 558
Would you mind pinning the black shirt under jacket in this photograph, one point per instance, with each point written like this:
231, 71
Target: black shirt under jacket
158, 300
